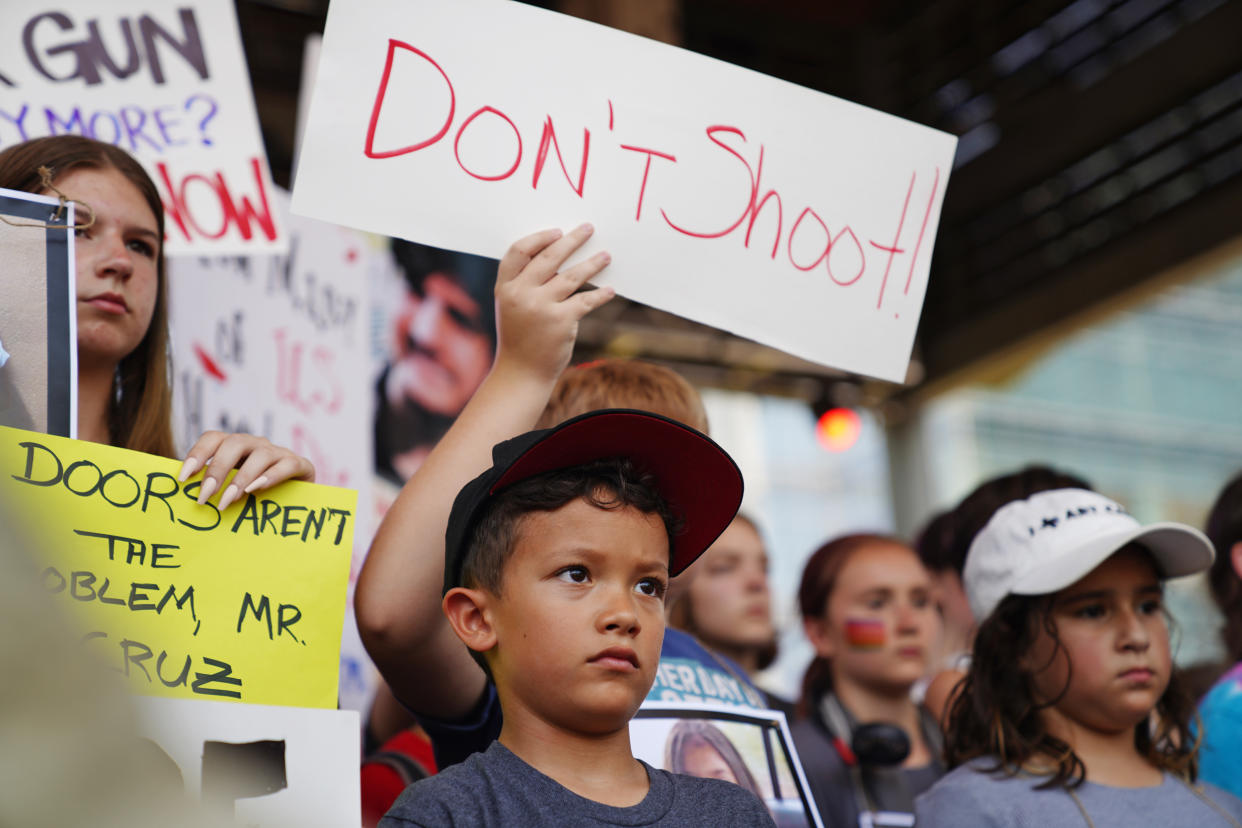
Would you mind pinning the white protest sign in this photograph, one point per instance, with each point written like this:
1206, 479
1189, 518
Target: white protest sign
261, 766
745, 202
166, 81
278, 346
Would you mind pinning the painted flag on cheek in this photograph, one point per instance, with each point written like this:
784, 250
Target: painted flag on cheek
865, 633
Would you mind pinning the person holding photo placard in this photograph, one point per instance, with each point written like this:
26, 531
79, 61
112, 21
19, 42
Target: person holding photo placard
124, 392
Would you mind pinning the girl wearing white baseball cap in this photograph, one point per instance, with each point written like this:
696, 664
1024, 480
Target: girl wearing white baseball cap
1071, 713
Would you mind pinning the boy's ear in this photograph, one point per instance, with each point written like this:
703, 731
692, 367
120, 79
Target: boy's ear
818, 636
1235, 558
468, 613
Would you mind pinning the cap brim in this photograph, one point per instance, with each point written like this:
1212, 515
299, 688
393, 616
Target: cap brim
1177, 550
696, 477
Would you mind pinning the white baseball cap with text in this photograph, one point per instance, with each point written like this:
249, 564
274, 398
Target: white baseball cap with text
1051, 539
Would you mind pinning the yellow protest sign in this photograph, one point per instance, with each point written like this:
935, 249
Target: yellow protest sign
185, 600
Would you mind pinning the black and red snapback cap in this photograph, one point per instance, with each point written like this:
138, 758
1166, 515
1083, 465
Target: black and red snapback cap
696, 477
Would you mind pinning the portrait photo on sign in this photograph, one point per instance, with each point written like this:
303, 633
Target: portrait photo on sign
750, 747
38, 350
434, 336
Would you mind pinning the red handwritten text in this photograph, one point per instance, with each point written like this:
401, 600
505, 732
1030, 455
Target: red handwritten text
842, 253
183, 202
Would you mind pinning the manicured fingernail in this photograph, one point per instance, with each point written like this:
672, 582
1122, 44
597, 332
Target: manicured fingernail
230, 494
604, 258
208, 487
257, 483
587, 228
188, 468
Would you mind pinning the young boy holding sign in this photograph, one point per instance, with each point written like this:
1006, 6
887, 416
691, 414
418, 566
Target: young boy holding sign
556, 564
398, 597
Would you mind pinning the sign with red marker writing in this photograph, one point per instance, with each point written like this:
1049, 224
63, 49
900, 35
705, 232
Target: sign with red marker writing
166, 81
279, 346
273, 345
182, 599
779, 213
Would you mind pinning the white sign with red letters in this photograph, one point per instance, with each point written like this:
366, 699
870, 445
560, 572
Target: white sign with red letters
774, 211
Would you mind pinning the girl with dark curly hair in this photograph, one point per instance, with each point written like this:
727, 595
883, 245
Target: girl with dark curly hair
1072, 713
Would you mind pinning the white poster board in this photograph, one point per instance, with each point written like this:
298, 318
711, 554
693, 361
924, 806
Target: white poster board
165, 80
278, 346
783, 214
259, 766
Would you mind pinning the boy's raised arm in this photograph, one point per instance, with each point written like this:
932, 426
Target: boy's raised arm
398, 596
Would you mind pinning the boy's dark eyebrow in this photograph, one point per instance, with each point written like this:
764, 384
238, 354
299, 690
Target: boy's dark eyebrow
590, 554
659, 565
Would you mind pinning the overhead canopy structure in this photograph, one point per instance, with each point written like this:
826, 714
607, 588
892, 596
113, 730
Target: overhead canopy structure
1100, 146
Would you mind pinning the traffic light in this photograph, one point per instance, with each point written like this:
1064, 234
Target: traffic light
838, 429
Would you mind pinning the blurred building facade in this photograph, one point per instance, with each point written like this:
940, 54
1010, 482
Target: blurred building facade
1145, 404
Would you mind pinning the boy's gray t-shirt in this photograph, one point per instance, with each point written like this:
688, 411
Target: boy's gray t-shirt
497, 788
969, 795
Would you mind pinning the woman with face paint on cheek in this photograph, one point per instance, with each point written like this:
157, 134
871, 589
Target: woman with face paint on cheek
867, 608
